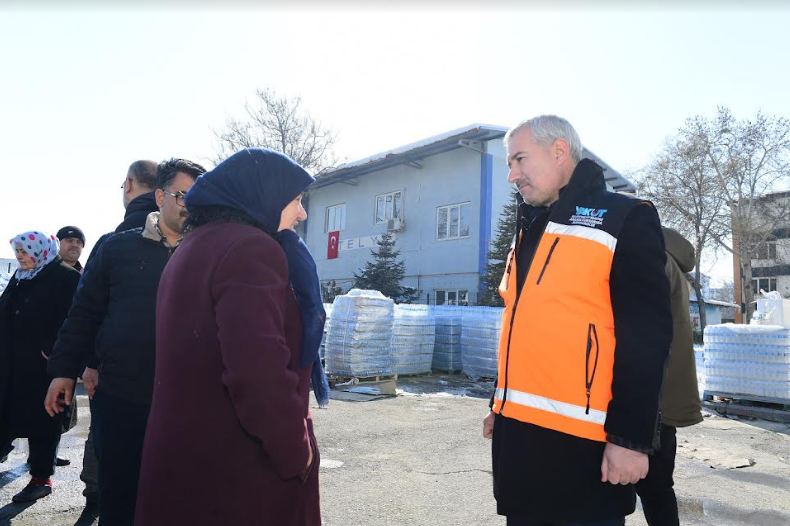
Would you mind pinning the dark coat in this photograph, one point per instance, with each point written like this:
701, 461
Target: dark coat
551, 476
680, 403
31, 313
137, 210
230, 425
115, 308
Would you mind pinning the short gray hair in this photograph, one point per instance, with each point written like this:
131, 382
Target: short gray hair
548, 128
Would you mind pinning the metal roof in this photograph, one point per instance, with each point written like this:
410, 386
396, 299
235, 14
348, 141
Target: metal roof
445, 142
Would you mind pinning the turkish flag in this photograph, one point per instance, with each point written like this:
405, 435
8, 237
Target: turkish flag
332, 244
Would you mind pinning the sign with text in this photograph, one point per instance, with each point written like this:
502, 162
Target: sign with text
355, 243
332, 244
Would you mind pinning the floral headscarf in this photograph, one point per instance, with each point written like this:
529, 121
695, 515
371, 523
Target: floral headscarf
42, 247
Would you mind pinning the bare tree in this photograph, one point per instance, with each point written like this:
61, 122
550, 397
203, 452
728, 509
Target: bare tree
681, 184
713, 182
279, 123
750, 159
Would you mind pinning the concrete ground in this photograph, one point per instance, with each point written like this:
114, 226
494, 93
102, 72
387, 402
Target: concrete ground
420, 459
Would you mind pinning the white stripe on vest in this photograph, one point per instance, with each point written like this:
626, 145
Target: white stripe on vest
552, 406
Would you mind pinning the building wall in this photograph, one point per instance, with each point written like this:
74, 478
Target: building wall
449, 178
777, 267
7, 266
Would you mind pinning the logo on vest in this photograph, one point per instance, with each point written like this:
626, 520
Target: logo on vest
591, 217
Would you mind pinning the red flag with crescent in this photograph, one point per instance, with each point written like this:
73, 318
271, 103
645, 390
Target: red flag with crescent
333, 242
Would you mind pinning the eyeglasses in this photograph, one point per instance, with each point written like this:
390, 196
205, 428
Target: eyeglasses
179, 197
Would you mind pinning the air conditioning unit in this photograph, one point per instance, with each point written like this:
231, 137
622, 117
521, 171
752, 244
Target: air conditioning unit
395, 225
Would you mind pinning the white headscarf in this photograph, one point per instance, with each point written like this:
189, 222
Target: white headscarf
42, 247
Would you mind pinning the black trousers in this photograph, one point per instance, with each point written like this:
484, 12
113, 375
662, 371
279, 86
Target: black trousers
118, 434
41, 455
518, 521
655, 490
90, 470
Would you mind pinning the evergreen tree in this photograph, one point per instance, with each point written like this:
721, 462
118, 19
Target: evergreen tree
385, 273
497, 254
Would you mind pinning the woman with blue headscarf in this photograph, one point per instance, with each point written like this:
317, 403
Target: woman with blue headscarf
32, 309
230, 436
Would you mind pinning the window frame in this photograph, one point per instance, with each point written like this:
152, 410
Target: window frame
446, 292
449, 208
342, 218
766, 251
384, 197
771, 281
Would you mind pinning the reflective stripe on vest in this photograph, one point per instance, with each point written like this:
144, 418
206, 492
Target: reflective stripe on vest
554, 406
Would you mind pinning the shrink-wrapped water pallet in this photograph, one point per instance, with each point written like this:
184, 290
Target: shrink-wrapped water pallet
480, 341
359, 338
414, 335
748, 360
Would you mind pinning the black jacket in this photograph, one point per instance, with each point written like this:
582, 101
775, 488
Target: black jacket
31, 313
115, 308
547, 475
137, 210
135, 216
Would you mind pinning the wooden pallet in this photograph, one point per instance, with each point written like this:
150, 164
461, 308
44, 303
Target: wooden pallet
752, 406
385, 383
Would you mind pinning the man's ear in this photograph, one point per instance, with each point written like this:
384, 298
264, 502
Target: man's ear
560, 151
160, 198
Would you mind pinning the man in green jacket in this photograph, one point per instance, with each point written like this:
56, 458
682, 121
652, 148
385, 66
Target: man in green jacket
680, 403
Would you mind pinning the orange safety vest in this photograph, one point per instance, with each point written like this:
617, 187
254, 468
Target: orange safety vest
557, 344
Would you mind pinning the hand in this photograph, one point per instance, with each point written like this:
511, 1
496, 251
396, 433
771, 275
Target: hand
90, 379
58, 386
488, 425
623, 466
309, 459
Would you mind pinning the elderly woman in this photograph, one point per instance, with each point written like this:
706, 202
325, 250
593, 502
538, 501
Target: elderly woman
232, 381
32, 309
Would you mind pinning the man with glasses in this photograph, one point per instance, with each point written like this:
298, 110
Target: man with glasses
115, 307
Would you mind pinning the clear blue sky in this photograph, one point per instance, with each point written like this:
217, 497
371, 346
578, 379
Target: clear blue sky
85, 92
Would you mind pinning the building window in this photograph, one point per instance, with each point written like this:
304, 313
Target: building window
389, 206
766, 284
452, 221
765, 251
452, 297
335, 218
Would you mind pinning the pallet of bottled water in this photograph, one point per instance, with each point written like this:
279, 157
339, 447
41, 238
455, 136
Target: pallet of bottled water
749, 360
359, 338
322, 349
414, 335
480, 327
447, 349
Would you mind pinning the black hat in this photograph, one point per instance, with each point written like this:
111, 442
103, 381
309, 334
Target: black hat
71, 231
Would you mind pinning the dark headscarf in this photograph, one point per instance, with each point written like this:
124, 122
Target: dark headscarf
261, 183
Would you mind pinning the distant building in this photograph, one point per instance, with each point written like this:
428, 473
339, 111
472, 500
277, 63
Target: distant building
441, 198
771, 262
8, 266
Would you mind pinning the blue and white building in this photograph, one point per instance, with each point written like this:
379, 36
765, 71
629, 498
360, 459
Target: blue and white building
441, 198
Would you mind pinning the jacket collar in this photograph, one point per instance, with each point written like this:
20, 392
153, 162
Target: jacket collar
142, 203
151, 230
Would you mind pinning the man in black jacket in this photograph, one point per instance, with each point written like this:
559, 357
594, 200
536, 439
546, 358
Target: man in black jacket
115, 307
573, 424
138, 194
139, 200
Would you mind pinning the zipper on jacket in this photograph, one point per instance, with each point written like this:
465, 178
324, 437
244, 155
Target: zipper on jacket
548, 258
515, 306
588, 377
